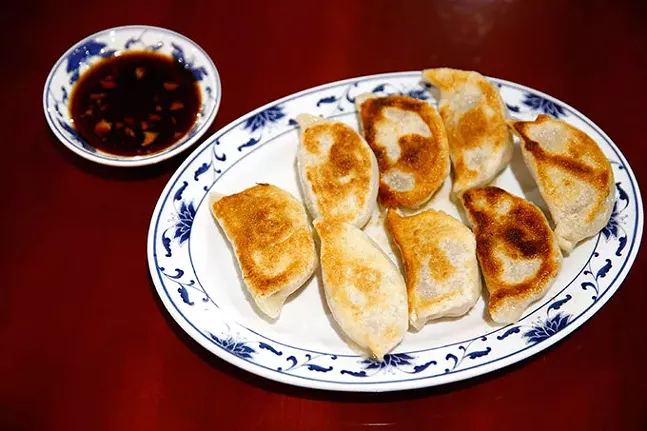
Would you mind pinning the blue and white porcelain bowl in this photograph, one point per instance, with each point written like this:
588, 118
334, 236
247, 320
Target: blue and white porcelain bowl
115, 41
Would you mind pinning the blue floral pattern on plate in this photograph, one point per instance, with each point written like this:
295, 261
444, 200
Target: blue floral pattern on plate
236, 347
559, 313
264, 118
185, 221
547, 328
545, 106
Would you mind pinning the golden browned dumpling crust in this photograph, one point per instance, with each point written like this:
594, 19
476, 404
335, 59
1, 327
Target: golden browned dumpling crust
338, 171
474, 115
409, 140
573, 175
439, 255
364, 289
517, 250
270, 234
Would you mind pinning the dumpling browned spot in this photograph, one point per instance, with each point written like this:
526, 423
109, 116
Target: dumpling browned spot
439, 255
517, 250
337, 170
408, 138
269, 231
480, 144
573, 175
364, 289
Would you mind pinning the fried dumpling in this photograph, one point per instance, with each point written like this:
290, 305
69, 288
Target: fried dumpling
480, 144
338, 171
269, 231
410, 143
573, 175
364, 289
439, 254
517, 250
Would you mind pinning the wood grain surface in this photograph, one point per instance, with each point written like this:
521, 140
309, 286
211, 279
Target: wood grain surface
85, 343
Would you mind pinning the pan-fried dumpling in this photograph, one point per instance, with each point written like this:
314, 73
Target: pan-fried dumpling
439, 254
410, 143
573, 175
269, 231
480, 144
517, 250
364, 289
338, 171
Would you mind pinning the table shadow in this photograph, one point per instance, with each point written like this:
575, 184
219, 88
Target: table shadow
320, 394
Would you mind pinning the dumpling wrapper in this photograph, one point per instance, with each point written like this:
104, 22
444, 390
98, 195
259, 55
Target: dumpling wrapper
364, 289
410, 143
480, 144
439, 254
338, 171
516, 248
270, 234
573, 175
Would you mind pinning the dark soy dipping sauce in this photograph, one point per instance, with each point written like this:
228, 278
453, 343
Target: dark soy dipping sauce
135, 104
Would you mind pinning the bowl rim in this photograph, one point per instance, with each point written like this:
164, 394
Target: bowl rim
125, 161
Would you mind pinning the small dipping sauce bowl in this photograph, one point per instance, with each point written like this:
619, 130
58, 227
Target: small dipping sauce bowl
106, 46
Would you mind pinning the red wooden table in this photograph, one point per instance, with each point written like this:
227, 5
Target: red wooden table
85, 343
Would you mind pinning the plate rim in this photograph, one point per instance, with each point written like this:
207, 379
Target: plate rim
144, 160
428, 381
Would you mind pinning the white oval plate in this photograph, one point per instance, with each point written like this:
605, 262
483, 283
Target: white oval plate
198, 280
